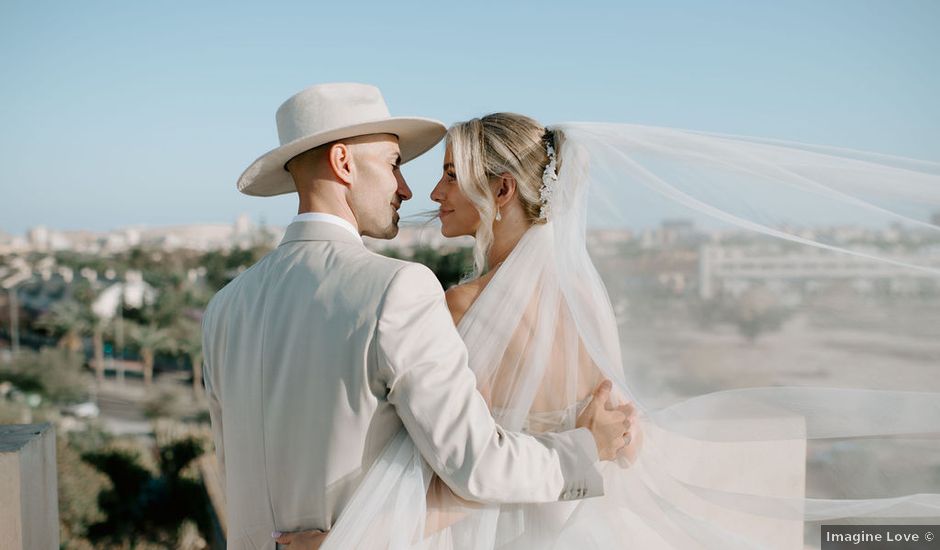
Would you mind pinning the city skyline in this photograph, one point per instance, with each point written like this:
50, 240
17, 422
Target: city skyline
123, 115
244, 233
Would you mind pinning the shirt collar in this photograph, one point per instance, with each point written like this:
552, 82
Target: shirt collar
327, 218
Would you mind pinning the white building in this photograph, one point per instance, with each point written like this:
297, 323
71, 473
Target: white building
735, 269
133, 292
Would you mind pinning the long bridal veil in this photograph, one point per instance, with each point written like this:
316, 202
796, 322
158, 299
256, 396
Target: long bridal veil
771, 308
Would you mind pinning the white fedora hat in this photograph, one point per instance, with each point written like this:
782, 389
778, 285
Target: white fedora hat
328, 112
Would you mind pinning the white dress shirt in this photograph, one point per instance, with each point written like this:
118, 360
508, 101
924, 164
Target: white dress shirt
328, 218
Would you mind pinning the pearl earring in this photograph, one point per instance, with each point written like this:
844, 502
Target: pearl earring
499, 215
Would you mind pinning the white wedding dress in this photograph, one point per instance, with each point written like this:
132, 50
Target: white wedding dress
719, 469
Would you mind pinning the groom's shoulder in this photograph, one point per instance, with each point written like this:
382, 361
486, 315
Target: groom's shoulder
402, 278
400, 273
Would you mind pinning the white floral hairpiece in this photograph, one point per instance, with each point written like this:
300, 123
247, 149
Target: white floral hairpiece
549, 179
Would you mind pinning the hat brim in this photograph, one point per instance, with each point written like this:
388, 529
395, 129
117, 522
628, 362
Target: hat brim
267, 176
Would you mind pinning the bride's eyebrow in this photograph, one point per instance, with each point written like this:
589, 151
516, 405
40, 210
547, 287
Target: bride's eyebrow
449, 164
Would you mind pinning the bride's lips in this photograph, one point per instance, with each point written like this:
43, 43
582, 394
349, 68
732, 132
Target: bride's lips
441, 213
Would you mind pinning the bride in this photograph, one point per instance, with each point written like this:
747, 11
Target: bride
724, 468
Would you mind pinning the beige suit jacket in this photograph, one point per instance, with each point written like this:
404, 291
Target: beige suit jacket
317, 355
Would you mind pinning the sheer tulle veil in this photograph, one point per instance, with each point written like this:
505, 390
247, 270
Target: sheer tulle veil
771, 308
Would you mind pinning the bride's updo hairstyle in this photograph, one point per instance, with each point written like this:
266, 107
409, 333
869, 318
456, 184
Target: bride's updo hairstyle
485, 148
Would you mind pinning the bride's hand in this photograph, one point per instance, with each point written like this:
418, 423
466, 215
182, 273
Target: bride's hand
301, 540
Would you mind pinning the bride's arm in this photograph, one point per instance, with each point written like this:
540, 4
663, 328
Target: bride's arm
444, 507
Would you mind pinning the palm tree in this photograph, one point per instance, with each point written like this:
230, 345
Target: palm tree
189, 341
151, 340
141, 505
97, 339
70, 320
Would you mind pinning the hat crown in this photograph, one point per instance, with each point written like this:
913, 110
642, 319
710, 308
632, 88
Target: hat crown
325, 107
325, 113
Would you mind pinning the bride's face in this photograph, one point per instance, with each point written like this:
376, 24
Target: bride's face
458, 215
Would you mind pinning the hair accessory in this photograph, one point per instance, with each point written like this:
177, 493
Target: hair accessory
549, 179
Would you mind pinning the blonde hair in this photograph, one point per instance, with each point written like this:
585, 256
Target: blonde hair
485, 148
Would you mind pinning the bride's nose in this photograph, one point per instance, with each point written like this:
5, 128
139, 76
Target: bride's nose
437, 194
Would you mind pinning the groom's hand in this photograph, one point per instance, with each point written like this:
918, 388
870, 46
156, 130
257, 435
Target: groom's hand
634, 439
609, 426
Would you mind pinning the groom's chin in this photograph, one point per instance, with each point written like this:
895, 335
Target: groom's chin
390, 232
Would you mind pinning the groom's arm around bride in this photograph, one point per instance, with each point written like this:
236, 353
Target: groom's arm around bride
424, 364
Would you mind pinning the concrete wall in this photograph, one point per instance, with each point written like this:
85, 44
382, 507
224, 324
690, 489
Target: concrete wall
29, 499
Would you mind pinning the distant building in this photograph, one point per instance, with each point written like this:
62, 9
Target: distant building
736, 268
38, 237
608, 241
202, 237
671, 233
677, 230
133, 292
243, 225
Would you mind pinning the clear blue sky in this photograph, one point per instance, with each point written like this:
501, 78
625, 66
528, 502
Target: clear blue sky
119, 113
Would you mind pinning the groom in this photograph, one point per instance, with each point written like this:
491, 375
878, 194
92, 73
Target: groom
317, 355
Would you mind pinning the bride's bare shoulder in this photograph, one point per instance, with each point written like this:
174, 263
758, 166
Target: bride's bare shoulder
461, 297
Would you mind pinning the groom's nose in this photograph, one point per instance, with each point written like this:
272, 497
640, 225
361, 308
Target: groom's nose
403, 190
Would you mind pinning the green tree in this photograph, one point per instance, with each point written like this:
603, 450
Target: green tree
84, 297
99, 326
70, 321
52, 373
188, 334
449, 267
170, 303
79, 484
151, 340
141, 506
223, 266
756, 312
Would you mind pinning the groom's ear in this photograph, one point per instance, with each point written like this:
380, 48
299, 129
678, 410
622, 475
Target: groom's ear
505, 188
339, 158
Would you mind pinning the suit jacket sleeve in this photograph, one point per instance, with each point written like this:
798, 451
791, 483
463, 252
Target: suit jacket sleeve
212, 396
424, 363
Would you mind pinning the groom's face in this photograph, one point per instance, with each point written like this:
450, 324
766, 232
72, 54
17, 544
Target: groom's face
379, 187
